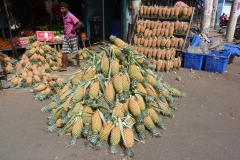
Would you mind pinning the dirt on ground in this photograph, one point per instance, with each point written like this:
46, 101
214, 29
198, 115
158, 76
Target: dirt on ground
206, 123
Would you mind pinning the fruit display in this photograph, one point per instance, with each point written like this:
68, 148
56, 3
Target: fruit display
160, 35
113, 98
48, 87
4, 44
37, 61
26, 34
57, 29
165, 11
19, 41
6, 63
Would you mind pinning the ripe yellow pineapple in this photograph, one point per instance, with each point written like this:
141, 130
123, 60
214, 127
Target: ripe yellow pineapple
104, 133
118, 111
114, 139
135, 110
96, 127
150, 126
79, 95
110, 92
128, 142
155, 118
94, 90
90, 73
139, 99
115, 67
135, 74
126, 82
118, 42
105, 65
140, 88
76, 130
87, 119
117, 83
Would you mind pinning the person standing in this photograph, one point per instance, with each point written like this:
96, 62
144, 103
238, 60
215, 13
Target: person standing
70, 42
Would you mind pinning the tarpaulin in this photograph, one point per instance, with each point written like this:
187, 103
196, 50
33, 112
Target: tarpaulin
233, 49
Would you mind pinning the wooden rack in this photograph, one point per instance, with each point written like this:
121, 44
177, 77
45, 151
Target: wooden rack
154, 18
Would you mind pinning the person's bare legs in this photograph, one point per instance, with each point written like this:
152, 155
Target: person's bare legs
64, 62
77, 60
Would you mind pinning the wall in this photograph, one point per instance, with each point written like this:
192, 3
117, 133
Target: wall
219, 9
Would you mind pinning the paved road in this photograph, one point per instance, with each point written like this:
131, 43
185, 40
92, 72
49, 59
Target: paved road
206, 124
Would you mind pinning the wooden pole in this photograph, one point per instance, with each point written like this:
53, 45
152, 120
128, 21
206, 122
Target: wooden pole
3, 33
9, 26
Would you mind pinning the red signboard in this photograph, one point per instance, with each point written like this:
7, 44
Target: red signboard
43, 36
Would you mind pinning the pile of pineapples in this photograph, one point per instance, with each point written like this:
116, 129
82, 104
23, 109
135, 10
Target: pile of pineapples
7, 63
115, 97
33, 70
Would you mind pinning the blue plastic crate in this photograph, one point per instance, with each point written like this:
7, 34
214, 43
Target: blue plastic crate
216, 61
117, 34
193, 60
115, 26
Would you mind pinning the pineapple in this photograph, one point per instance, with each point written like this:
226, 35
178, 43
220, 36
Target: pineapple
115, 50
155, 118
79, 95
141, 104
115, 67
76, 110
126, 82
128, 142
87, 120
49, 107
90, 73
76, 130
141, 134
96, 127
125, 105
150, 126
153, 81
105, 66
135, 74
94, 90
140, 88
151, 91
118, 85
104, 106
104, 133
177, 93
114, 139
118, 111
135, 110
118, 42
109, 91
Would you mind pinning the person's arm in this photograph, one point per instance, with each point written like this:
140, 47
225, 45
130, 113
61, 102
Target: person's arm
77, 26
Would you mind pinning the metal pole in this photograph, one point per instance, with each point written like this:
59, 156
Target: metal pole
103, 20
214, 12
206, 17
232, 21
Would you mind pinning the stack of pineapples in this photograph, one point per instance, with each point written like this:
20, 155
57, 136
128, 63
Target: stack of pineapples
113, 98
33, 70
6, 63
